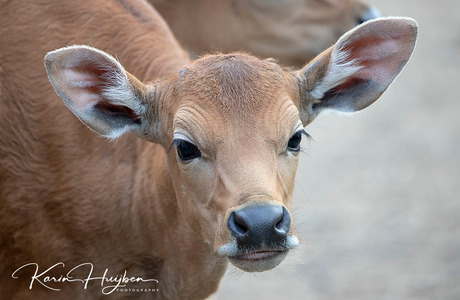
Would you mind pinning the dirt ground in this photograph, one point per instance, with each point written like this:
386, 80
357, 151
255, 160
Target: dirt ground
377, 201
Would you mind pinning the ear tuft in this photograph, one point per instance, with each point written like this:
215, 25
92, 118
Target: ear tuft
341, 68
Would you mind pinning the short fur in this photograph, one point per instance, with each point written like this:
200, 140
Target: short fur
291, 31
68, 195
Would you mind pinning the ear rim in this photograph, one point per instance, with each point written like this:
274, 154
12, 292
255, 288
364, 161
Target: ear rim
120, 93
312, 93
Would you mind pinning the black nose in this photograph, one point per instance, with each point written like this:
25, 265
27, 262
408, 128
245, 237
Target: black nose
371, 13
256, 225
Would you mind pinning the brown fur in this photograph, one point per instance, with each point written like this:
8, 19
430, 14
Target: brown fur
48, 212
58, 179
67, 194
291, 31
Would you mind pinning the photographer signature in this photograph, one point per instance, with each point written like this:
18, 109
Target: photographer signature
108, 283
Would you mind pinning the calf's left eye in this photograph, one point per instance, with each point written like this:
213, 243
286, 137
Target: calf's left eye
294, 142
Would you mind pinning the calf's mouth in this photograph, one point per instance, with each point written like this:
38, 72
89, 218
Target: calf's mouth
258, 260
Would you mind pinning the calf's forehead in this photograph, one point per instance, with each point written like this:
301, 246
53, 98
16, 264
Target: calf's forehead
236, 89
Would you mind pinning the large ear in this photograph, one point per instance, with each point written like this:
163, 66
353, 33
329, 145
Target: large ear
97, 89
353, 73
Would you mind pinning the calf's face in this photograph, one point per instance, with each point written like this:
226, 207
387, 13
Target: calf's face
232, 124
236, 140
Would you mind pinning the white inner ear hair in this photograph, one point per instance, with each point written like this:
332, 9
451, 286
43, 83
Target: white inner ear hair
340, 69
118, 90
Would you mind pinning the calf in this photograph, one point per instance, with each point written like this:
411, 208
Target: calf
200, 164
292, 31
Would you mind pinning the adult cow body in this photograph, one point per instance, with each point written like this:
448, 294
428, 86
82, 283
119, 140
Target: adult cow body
209, 180
291, 31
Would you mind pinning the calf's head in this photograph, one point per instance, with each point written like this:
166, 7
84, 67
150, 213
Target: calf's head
231, 126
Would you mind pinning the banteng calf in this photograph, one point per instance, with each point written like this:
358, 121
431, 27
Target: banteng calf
201, 166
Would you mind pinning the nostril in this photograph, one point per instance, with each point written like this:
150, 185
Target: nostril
284, 223
241, 229
237, 225
279, 225
280, 222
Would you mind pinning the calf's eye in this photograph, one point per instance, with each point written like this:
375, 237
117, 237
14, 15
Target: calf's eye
294, 142
186, 150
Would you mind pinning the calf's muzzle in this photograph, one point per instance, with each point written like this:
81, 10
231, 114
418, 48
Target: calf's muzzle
260, 226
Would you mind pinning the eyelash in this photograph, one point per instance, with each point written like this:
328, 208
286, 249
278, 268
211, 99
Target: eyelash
308, 136
298, 147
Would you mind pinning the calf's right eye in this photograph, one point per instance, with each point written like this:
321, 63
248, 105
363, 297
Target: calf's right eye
187, 151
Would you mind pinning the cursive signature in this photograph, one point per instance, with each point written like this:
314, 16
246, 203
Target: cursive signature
108, 283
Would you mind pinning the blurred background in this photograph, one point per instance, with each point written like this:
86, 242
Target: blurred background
377, 203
